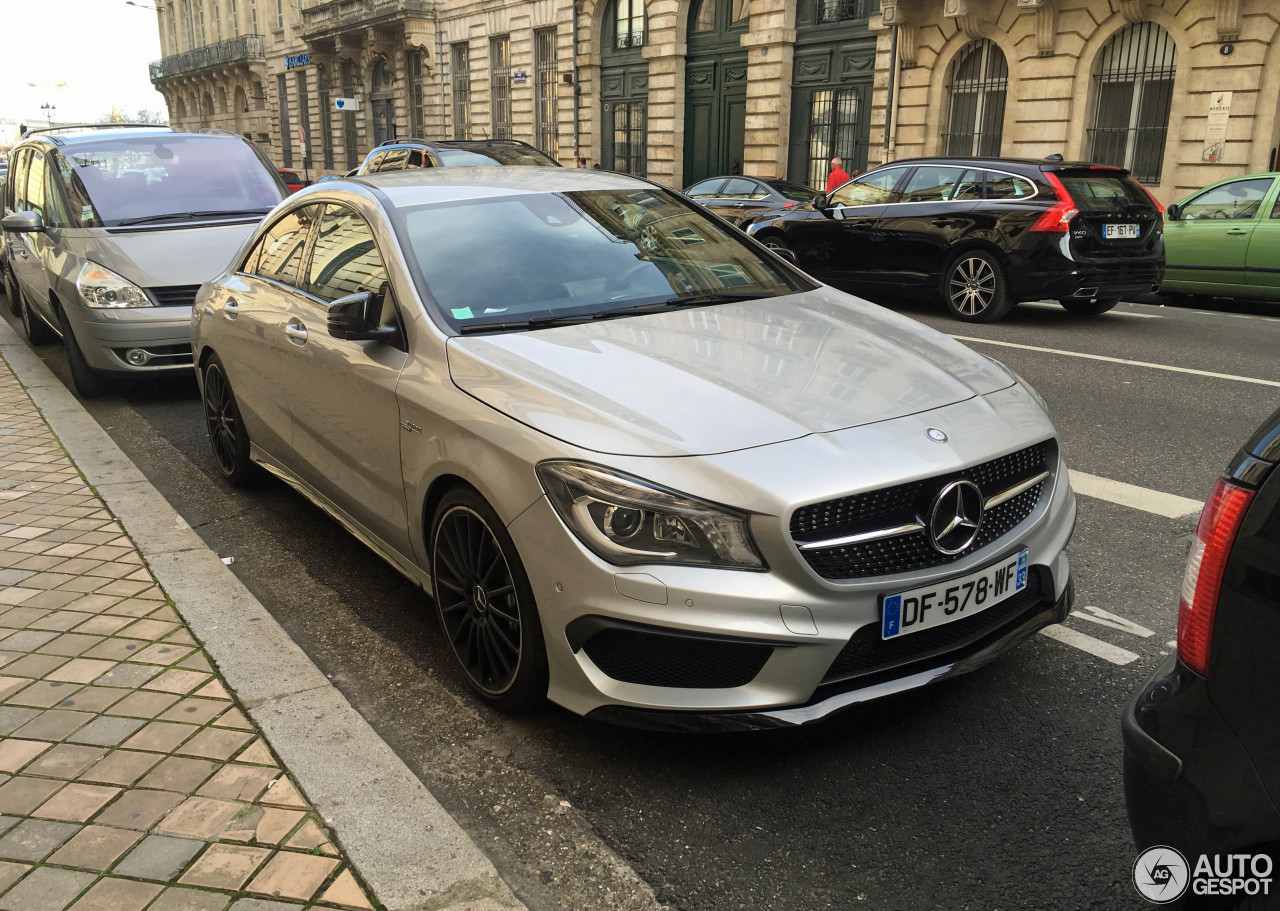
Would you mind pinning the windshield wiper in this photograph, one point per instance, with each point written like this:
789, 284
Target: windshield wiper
169, 216
546, 322
537, 322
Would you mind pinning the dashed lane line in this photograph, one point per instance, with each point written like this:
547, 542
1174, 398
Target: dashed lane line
1112, 621
1096, 647
1120, 360
1169, 505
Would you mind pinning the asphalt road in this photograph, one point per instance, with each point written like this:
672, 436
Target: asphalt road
1000, 790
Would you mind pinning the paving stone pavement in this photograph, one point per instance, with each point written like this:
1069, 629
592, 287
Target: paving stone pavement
129, 777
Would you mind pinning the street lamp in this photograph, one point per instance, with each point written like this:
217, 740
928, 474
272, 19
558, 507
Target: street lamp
158, 9
48, 113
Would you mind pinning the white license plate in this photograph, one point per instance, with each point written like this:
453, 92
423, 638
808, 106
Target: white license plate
1120, 231
934, 605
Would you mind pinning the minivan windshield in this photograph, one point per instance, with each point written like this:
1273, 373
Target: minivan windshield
158, 178
569, 257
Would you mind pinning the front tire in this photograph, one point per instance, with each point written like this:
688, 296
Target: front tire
974, 288
485, 603
34, 328
88, 382
12, 293
1082, 306
227, 435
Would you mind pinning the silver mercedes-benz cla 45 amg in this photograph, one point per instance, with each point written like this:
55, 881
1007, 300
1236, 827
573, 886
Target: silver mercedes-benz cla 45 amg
644, 466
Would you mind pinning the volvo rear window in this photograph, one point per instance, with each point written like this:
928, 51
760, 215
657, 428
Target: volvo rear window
1105, 191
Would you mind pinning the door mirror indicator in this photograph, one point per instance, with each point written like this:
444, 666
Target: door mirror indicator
23, 223
357, 318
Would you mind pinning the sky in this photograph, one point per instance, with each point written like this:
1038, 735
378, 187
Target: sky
99, 48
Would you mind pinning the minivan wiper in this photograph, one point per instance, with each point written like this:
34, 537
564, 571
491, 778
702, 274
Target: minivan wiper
225, 213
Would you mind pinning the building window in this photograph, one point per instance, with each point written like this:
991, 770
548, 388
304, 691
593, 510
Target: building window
349, 137
844, 10
628, 138
235, 19
629, 23
417, 114
215, 14
279, 13
461, 91
977, 82
544, 101
1133, 91
304, 116
200, 23
326, 118
833, 132
500, 84
253, 16
282, 97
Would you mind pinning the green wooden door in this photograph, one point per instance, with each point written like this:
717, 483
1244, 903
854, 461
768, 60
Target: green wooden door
715, 90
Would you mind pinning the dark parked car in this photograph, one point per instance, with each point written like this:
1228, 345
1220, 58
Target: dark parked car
740, 199
982, 233
1202, 746
402, 154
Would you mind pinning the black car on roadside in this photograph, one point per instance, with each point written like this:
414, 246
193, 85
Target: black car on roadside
739, 199
403, 154
1201, 737
981, 233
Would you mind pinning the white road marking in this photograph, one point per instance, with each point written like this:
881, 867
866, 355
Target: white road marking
1050, 305
1168, 505
1121, 360
1172, 643
1112, 621
1096, 647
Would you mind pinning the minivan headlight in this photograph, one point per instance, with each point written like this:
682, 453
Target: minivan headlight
103, 289
626, 520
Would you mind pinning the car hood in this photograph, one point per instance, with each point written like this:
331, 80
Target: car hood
173, 256
722, 378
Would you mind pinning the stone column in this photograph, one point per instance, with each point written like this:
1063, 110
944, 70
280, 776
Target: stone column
770, 44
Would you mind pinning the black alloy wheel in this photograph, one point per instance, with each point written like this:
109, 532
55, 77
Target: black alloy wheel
1083, 306
34, 328
485, 603
226, 429
974, 288
776, 242
12, 293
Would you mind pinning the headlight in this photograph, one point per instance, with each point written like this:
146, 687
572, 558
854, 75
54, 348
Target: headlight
101, 288
627, 521
1032, 389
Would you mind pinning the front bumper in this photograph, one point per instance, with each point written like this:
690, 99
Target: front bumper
105, 336
1188, 781
760, 644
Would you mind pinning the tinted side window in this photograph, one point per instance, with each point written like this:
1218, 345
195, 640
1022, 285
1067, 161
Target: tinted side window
278, 254
970, 186
345, 259
374, 162
931, 183
1006, 186
872, 189
740, 188
36, 184
394, 160
17, 190
1238, 199
705, 189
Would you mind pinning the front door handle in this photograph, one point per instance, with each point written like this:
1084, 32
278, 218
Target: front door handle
231, 309
1236, 232
947, 222
297, 333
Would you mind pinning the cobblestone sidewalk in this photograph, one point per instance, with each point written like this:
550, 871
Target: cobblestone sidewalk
129, 778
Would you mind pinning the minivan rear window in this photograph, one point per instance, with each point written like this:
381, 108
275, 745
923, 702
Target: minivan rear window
1105, 191
136, 180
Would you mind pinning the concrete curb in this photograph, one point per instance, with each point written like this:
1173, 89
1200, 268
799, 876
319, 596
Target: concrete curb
411, 853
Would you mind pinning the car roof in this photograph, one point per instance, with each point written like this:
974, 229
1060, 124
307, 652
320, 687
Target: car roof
429, 185
64, 136
1037, 163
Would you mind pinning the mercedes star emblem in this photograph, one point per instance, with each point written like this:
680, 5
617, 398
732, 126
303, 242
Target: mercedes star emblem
936, 435
956, 517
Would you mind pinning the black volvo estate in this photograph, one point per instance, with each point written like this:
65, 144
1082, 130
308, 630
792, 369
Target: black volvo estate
982, 233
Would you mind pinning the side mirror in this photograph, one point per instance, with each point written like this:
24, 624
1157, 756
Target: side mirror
357, 318
23, 223
819, 201
1173, 212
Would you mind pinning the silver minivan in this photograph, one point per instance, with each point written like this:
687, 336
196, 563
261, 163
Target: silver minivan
110, 231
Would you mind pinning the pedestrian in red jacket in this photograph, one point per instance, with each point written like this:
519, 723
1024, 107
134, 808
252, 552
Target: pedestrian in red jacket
837, 175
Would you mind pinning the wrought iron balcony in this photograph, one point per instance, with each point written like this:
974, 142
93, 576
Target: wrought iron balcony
244, 49
336, 15
843, 10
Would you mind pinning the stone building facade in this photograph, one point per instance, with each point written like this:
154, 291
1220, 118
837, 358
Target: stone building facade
678, 90
1127, 82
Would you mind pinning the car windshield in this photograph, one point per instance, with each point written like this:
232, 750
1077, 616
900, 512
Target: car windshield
491, 155
135, 180
582, 254
794, 191
1105, 192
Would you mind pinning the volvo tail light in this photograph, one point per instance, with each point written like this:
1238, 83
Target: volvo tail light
1057, 218
1219, 522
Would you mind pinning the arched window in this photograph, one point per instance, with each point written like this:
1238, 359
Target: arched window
1133, 90
976, 85
628, 26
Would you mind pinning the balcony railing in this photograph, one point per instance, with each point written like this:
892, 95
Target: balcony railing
234, 50
341, 14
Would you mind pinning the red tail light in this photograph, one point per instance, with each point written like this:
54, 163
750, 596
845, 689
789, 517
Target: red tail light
1057, 218
1219, 522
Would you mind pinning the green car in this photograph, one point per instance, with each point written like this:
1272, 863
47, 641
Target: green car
1225, 240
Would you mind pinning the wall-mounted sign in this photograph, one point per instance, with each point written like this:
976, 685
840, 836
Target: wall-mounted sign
519, 77
293, 61
1215, 138
346, 104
